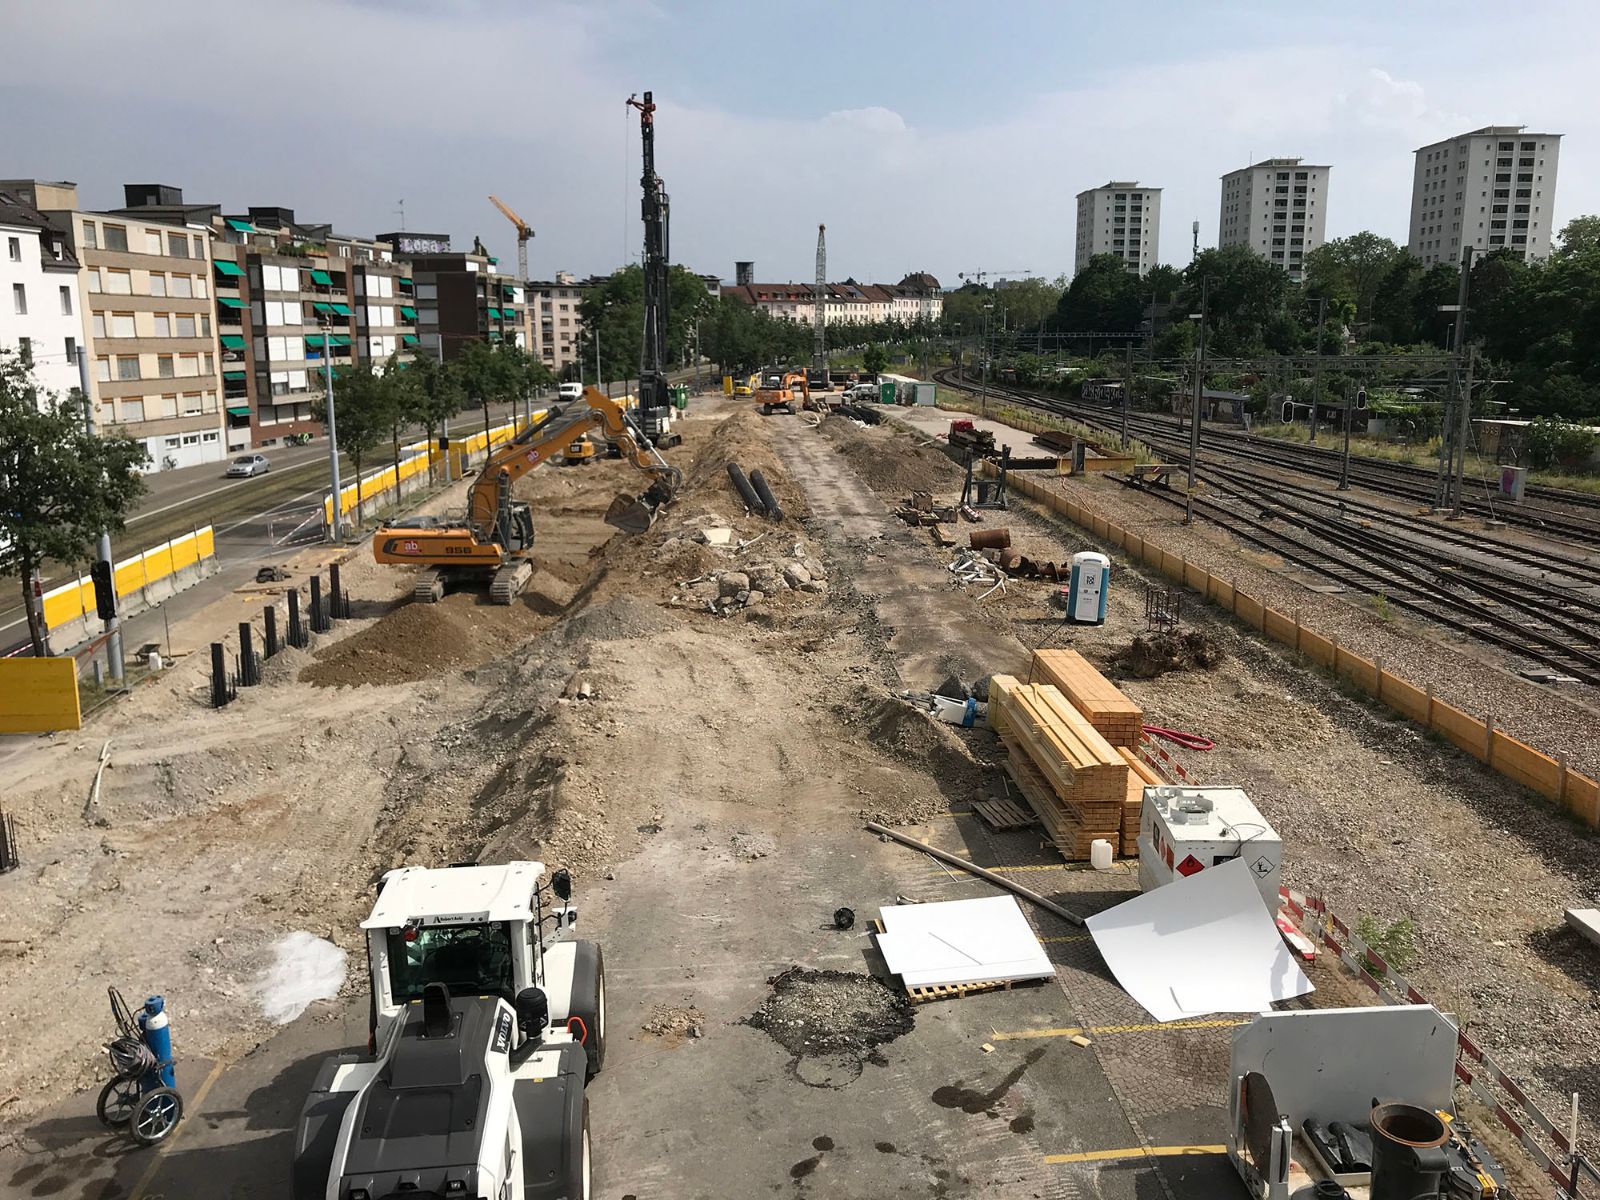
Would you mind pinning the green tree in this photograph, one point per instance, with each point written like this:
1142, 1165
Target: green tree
59, 484
1031, 302
615, 308
1351, 269
436, 397
874, 358
487, 374
363, 403
1245, 300
1103, 297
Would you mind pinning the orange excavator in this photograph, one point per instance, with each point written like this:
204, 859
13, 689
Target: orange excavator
778, 392
492, 543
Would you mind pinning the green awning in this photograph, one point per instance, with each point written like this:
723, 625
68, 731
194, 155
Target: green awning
235, 376
230, 302
342, 309
495, 313
231, 341
339, 339
409, 314
409, 339
239, 412
405, 281
231, 269
241, 225
314, 342
322, 277
494, 335
322, 306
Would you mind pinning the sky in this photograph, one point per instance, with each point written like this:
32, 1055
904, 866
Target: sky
949, 137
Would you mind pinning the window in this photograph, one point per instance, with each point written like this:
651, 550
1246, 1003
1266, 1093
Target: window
182, 286
116, 237
25, 351
186, 326
169, 408
178, 245
164, 366
66, 301
103, 369
98, 324
158, 284
14, 247
19, 299
122, 325
163, 325
199, 246
89, 241
200, 287
188, 365
152, 241
118, 283
72, 350
205, 325
128, 366
133, 409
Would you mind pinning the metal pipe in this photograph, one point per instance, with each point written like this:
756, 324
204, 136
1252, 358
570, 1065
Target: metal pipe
1015, 889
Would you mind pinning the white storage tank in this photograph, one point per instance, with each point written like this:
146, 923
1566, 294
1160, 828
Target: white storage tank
1183, 830
1086, 592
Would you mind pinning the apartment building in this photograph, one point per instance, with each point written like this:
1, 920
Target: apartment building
556, 325
41, 310
295, 299
1121, 219
145, 279
459, 297
917, 297
1493, 188
1278, 208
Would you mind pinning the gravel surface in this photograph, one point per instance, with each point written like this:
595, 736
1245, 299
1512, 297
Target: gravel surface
831, 1022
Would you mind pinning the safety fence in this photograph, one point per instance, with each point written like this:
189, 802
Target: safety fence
1548, 775
387, 484
141, 581
1549, 1146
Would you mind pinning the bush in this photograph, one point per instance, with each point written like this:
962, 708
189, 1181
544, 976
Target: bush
1551, 442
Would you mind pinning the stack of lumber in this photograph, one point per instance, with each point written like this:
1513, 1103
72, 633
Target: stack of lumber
1140, 776
1073, 779
1117, 718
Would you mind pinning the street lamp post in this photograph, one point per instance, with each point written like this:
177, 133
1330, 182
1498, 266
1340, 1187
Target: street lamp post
983, 349
337, 526
1316, 375
1199, 385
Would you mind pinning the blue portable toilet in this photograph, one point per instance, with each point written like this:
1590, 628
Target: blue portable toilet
1086, 592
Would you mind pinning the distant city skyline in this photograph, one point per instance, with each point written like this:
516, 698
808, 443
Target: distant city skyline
940, 143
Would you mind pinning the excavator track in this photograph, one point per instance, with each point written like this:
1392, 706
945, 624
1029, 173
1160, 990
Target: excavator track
509, 581
428, 588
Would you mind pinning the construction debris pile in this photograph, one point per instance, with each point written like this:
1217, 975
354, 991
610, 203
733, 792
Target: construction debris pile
1072, 751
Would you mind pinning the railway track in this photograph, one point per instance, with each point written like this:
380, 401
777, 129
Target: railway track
1543, 607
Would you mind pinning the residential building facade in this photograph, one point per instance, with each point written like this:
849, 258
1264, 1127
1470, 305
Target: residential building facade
460, 297
557, 327
41, 309
1493, 188
1278, 208
1120, 219
145, 276
917, 297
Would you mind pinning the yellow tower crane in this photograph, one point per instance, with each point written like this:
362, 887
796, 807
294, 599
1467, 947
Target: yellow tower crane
524, 232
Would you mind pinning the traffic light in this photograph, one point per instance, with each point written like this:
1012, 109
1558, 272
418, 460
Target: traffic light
105, 594
1361, 399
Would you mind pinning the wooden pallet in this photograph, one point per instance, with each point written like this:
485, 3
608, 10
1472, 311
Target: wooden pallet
954, 991
1002, 813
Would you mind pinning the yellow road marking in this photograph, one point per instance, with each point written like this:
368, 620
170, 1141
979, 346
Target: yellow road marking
1060, 866
1134, 1152
1068, 937
1102, 1030
191, 1108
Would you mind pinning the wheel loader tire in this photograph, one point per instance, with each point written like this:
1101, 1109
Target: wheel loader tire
589, 1002
759, 482
746, 492
581, 1182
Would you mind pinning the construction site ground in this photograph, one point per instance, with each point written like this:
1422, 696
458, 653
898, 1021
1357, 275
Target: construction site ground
705, 775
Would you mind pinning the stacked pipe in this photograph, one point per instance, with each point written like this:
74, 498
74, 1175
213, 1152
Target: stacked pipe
755, 492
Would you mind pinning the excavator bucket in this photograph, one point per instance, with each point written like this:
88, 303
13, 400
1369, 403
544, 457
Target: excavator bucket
630, 514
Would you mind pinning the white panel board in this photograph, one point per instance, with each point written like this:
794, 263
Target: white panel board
1199, 945
961, 941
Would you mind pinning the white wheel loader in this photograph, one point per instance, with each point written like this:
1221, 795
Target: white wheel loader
488, 1020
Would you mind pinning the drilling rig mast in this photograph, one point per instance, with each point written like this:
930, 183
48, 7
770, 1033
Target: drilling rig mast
819, 347
655, 400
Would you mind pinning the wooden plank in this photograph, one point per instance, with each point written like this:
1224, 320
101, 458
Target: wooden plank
954, 991
1118, 718
1002, 813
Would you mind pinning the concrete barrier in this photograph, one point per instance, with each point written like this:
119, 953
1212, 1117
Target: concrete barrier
1549, 776
39, 695
142, 581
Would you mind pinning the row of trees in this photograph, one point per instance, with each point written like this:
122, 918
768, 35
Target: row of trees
378, 402
1538, 323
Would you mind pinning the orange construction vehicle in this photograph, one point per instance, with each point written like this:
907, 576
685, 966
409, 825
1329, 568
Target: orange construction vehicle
492, 542
778, 391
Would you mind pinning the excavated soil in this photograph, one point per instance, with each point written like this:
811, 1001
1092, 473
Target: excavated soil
831, 1022
891, 463
419, 641
1153, 655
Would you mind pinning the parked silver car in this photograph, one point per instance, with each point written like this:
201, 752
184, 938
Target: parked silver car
247, 465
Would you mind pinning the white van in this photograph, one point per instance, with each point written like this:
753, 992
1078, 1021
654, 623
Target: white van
570, 391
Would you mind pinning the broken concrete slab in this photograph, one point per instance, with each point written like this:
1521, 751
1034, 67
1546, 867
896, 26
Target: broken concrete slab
1586, 921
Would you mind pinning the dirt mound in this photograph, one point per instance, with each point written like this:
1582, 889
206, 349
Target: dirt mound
892, 464
619, 619
674, 1022
742, 438
420, 641
1149, 656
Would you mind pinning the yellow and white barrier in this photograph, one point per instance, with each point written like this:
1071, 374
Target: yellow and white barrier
145, 579
39, 695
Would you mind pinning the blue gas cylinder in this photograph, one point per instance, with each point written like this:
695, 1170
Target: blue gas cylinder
157, 1033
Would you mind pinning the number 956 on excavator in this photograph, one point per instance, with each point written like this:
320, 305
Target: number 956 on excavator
491, 544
